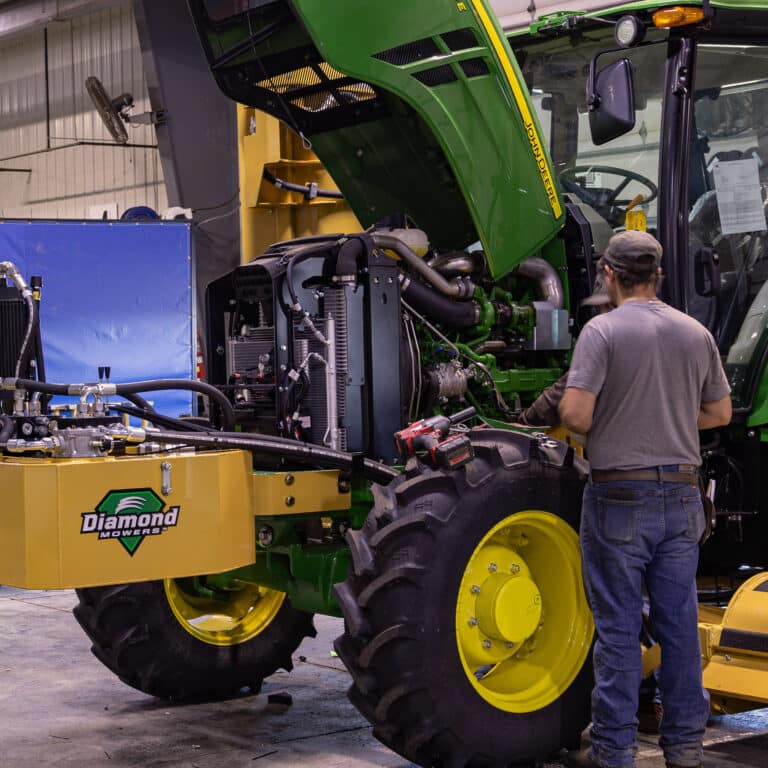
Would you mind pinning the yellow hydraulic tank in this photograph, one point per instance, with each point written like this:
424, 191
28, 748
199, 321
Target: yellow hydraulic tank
95, 521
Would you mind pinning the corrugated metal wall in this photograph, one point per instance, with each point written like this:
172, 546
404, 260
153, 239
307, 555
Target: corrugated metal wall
66, 179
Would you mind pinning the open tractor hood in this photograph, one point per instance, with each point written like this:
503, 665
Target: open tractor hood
415, 107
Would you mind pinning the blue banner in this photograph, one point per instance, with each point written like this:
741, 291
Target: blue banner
114, 293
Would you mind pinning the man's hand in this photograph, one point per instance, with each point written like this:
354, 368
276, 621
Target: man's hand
576, 409
716, 413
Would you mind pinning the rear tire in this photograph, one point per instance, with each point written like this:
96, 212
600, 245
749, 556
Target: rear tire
138, 635
432, 545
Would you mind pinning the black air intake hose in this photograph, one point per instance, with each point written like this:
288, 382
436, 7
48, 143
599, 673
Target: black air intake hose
452, 314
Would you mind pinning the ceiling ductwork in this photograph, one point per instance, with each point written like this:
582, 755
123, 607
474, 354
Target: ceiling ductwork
21, 15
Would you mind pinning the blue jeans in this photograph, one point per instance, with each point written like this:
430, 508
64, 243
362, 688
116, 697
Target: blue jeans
633, 531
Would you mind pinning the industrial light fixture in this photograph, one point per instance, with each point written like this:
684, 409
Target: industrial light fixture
629, 31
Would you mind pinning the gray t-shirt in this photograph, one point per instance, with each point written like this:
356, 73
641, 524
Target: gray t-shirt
651, 367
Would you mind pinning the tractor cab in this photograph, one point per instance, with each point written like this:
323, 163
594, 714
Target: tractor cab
665, 130
690, 166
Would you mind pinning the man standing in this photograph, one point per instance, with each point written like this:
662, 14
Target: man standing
644, 378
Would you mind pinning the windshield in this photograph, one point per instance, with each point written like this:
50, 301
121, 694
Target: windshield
609, 180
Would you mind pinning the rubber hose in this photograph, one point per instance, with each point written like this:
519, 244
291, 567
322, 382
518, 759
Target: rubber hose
151, 385
42, 386
155, 385
139, 402
280, 446
7, 428
453, 314
169, 422
349, 253
32, 320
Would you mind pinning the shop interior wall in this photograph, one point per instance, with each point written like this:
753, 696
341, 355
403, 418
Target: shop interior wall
56, 158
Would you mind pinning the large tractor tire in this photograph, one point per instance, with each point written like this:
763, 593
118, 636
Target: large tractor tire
166, 641
468, 633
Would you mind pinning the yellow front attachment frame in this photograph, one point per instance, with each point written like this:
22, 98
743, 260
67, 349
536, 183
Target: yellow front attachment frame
68, 523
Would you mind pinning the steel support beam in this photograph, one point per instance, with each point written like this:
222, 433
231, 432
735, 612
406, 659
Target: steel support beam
198, 141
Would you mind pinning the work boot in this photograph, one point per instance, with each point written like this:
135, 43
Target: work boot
582, 758
649, 715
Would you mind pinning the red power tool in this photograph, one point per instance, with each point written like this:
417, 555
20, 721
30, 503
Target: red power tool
430, 437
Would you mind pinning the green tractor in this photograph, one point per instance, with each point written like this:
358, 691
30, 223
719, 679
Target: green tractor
488, 168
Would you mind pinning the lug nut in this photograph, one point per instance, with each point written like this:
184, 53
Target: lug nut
475, 590
492, 567
289, 479
472, 622
486, 644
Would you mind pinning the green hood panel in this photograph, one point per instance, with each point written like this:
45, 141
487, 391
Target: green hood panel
414, 106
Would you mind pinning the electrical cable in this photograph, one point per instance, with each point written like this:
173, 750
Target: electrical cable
220, 205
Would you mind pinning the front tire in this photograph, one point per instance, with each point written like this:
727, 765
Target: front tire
468, 632
168, 642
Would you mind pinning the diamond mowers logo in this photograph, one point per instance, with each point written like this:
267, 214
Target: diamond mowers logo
129, 516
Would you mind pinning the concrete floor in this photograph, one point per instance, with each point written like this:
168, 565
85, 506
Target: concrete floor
60, 707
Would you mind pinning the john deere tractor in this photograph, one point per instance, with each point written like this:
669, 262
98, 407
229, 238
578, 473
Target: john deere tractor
363, 456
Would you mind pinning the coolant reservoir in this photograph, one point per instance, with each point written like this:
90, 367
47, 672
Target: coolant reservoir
415, 239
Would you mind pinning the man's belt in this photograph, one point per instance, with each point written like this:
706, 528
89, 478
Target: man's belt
686, 473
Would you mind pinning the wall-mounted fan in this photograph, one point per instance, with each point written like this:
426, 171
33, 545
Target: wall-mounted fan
115, 113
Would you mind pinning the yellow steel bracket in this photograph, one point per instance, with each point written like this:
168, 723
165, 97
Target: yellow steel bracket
295, 493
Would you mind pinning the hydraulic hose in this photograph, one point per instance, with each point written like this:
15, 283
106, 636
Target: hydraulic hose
156, 385
452, 314
133, 388
169, 422
6, 430
29, 335
279, 446
139, 402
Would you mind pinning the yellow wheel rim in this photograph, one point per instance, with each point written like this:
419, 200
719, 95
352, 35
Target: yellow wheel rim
523, 626
244, 614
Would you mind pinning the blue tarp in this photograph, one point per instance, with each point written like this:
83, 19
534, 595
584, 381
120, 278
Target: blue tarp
114, 293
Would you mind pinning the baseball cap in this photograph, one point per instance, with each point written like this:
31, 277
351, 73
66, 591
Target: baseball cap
635, 252
599, 296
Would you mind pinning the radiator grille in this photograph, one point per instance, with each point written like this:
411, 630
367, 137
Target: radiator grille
13, 325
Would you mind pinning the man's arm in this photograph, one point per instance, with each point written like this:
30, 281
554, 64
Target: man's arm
715, 413
577, 408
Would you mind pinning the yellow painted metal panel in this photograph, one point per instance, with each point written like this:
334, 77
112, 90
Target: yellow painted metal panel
43, 544
294, 493
738, 677
268, 214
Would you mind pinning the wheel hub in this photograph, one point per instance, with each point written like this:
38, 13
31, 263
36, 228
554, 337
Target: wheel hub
523, 626
509, 607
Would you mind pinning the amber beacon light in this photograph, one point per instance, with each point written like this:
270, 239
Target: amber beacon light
677, 16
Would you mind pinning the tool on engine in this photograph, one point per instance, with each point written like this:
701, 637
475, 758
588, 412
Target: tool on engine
431, 437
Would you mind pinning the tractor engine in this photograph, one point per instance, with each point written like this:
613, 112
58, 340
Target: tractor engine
341, 340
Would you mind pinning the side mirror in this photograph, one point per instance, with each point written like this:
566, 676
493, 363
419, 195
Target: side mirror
611, 100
